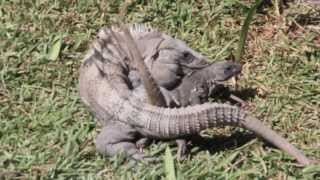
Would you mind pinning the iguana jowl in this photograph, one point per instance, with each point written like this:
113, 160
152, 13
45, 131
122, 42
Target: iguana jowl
105, 88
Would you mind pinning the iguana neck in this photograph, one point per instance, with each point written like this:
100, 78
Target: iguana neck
153, 92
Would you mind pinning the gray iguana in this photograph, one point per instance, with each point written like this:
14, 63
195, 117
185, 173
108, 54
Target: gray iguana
195, 88
106, 90
170, 60
199, 78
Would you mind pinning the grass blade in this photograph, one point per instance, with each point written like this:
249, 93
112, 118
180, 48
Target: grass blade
244, 30
169, 165
55, 48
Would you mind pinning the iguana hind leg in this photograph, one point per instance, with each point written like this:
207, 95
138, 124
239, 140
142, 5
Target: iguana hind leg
117, 138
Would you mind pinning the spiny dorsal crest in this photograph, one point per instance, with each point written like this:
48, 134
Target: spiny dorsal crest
140, 28
136, 30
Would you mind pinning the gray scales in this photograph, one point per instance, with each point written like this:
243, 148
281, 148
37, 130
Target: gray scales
107, 91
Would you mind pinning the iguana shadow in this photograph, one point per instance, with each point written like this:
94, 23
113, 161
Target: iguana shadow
310, 18
219, 143
225, 93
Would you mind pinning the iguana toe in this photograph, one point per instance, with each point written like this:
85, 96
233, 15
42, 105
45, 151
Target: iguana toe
142, 143
182, 149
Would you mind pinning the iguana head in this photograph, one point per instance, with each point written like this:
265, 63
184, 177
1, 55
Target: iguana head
211, 78
221, 71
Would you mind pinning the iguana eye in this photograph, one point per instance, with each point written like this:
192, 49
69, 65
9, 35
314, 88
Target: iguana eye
187, 57
156, 55
228, 69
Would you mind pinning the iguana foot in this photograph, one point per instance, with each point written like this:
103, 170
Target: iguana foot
116, 138
142, 143
182, 149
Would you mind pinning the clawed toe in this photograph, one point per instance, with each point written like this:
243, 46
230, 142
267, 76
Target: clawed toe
182, 153
182, 149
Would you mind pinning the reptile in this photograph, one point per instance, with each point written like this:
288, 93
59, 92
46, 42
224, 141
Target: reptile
106, 90
170, 60
198, 80
195, 88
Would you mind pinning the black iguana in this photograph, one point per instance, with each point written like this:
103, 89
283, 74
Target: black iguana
106, 89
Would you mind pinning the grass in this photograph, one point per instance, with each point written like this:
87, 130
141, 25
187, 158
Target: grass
46, 133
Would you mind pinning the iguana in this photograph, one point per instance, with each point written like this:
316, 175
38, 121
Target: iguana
170, 60
199, 79
153, 93
106, 89
195, 88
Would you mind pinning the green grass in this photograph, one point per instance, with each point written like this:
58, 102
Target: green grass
47, 133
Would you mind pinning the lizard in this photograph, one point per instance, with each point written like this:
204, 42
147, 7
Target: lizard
169, 60
153, 94
195, 86
105, 89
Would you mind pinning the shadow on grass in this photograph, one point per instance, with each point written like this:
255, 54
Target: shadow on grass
221, 143
284, 4
224, 94
310, 18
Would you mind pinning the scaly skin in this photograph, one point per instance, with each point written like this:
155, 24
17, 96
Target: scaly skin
104, 88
